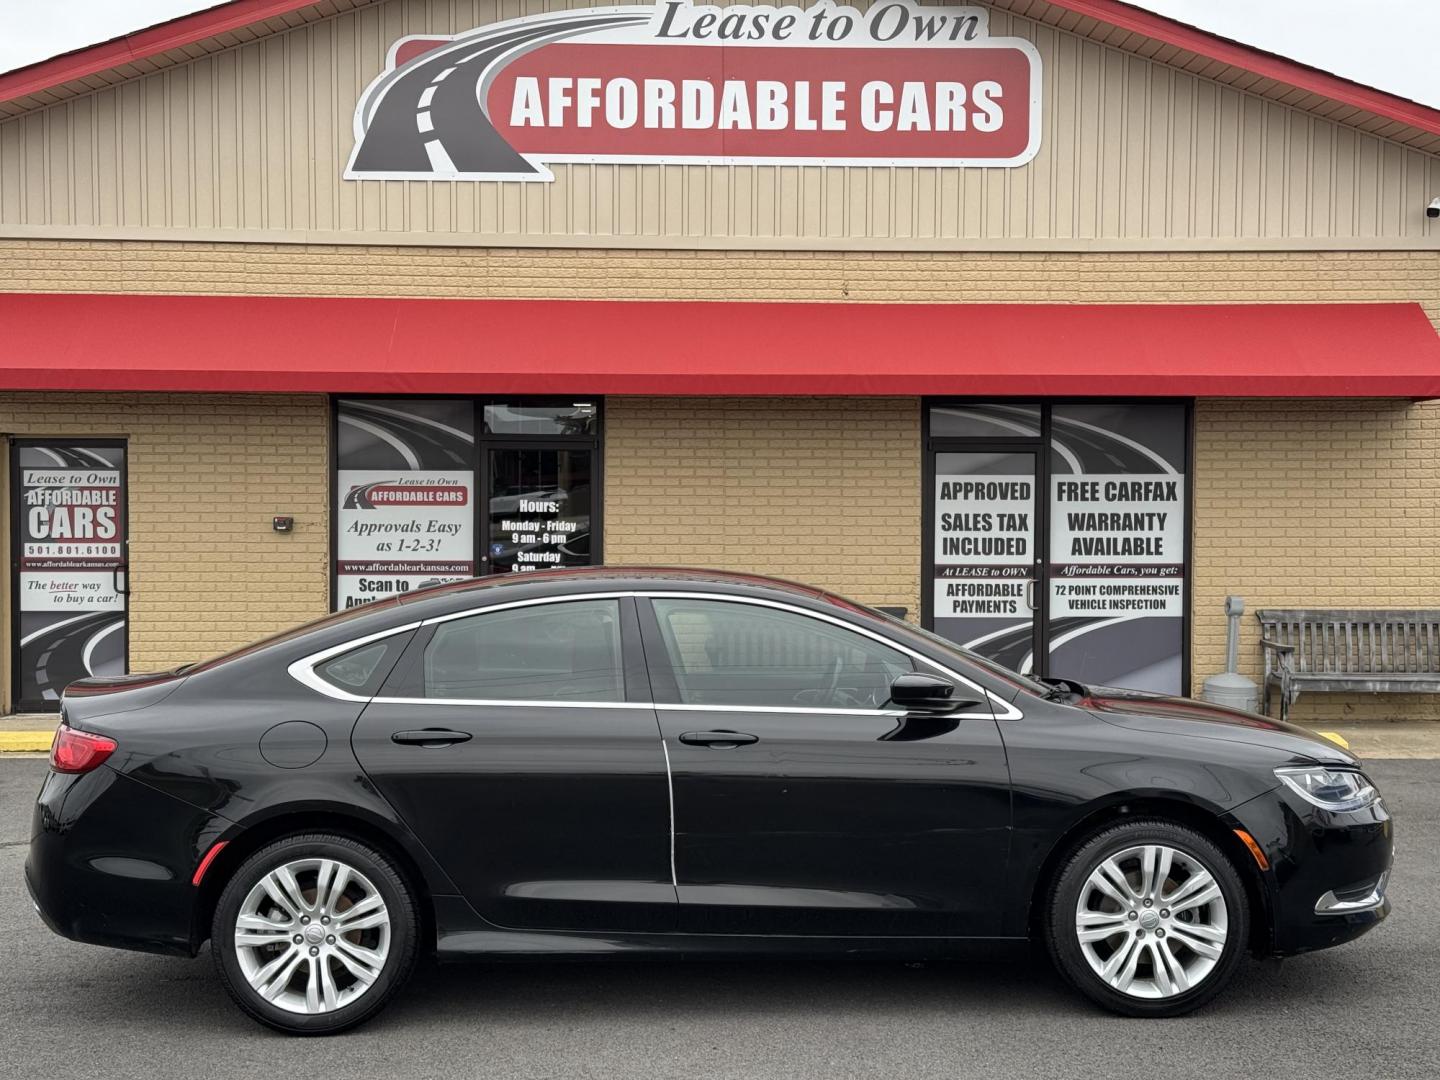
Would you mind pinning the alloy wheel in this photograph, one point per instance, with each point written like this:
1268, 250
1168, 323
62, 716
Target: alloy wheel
312, 935
1151, 921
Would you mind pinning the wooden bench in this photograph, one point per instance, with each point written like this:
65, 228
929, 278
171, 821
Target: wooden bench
1386, 651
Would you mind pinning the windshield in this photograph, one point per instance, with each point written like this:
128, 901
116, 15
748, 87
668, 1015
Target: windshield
999, 671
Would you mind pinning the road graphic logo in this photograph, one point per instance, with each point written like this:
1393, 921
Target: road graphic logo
675, 82
398, 492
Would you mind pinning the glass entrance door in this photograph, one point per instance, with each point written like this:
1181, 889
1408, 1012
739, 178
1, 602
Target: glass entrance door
68, 566
436, 490
1116, 561
985, 564
541, 508
1057, 537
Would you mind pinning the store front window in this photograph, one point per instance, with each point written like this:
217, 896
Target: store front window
431, 490
69, 565
1056, 537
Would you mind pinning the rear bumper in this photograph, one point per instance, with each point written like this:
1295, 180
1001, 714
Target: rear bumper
1328, 873
111, 860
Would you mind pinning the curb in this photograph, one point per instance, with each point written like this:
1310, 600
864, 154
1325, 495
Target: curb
25, 741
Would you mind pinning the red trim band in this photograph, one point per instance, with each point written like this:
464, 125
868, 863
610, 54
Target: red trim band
175, 34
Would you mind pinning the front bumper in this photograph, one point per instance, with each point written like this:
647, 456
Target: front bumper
1366, 898
1328, 873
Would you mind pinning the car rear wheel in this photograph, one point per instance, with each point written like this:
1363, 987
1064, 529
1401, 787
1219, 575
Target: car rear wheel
315, 933
1148, 918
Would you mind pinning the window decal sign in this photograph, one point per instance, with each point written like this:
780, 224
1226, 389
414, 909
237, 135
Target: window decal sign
70, 529
675, 82
1117, 544
984, 539
405, 514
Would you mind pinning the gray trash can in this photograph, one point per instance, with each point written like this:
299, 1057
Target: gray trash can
1231, 690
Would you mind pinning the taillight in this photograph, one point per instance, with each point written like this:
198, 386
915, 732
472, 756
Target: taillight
78, 751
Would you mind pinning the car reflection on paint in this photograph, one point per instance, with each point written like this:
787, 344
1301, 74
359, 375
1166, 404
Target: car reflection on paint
641, 762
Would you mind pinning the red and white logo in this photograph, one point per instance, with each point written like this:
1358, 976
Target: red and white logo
898, 84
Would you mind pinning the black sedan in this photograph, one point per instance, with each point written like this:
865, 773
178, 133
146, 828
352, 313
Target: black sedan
628, 762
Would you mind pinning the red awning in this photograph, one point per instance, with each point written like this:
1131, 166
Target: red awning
392, 346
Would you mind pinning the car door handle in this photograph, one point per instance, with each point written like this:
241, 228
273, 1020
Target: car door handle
430, 737
720, 740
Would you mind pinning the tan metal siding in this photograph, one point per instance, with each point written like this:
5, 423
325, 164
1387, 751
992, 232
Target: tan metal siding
249, 143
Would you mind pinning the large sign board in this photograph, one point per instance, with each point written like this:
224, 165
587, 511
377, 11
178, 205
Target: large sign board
674, 82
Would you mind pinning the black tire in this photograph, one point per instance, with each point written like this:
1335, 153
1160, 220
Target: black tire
1063, 943
404, 932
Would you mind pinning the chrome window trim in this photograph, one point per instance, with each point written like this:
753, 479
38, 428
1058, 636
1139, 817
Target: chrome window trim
550, 703
303, 670
535, 601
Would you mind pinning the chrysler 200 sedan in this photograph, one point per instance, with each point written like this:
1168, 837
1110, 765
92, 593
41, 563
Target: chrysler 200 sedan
634, 762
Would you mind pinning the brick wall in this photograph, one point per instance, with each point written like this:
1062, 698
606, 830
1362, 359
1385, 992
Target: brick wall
1314, 504
1053, 277
206, 474
826, 491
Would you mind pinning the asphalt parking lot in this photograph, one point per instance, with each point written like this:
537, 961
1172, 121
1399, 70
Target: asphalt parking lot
1366, 1009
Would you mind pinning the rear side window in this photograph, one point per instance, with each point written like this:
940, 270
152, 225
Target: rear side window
564, 652
361, 671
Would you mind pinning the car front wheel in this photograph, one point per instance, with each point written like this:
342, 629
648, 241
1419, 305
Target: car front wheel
314, 934
1148, 918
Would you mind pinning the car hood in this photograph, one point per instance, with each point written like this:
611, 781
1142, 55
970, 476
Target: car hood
1145, 711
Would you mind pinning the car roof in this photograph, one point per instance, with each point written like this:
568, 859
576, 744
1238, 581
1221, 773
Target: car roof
600, 579
477, 593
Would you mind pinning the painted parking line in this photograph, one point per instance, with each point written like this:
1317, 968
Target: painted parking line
19, 742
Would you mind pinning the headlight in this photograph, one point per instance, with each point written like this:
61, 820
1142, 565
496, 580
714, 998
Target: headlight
1329, 789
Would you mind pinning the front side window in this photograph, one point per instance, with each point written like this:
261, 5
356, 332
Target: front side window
725, 653
561, 652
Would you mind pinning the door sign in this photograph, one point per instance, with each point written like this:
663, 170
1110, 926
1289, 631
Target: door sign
1116, 570
70, 566
985, 558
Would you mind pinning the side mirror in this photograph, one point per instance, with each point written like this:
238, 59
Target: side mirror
918, 692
